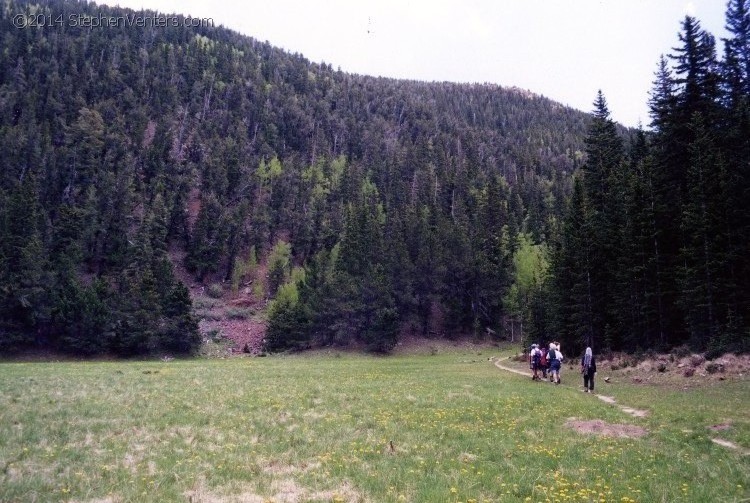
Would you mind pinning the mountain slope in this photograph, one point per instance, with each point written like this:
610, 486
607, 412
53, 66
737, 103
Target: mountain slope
123, 143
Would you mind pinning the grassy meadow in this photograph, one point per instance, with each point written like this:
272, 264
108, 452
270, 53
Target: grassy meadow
449, 427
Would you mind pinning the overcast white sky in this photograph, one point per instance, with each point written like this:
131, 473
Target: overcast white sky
562, 49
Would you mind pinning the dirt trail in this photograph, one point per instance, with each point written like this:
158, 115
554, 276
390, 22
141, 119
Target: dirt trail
608, 399
503, 367
627, 410
730, 445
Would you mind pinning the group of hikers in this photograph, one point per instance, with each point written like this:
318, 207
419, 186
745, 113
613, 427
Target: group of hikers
548, 361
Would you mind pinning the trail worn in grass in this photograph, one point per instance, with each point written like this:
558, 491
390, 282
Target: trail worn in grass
442, 428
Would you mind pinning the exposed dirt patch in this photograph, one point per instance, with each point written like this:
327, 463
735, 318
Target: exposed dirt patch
278, 468
246, 335
720, 427
229, 315
284, 491
467, 457
148, 134
634, 412
605, 429
108, 499
199, 496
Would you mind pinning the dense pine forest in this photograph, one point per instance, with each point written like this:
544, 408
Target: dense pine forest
360, 209
655, 248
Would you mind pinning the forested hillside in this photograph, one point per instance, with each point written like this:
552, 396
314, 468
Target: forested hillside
360, 208
124, 146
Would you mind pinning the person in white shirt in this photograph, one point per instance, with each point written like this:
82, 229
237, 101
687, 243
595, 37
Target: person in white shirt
535, 357
555, 358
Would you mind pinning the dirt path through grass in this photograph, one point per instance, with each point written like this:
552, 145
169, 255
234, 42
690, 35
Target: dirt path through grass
639, 413
627, 410
509, 369
608, 399
730, 445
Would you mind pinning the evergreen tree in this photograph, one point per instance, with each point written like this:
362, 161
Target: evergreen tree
703, 275
279, 266
23, 277
575, 273
696, 70
735, 140
208, 238
736, 64
180, 331
363, 290
600, 237
84, 312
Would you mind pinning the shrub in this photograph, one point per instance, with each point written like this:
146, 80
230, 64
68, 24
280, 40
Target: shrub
715, 352
714, 368
215, 290
237, 313
214, 349
258, 292
638, 356
244, 270
681, 351
208, 315
204, 303
697, 360
214, 335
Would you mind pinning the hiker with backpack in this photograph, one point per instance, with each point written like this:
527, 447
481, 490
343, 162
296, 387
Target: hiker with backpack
543, 363
588, 369
555, 358
534, 361
550, 355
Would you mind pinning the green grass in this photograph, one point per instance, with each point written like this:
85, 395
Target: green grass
320, 428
